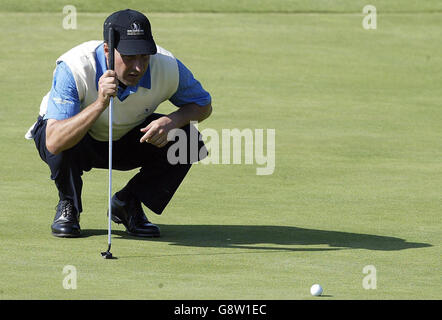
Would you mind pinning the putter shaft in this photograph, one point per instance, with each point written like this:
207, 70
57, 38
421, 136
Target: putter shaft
108, 254
110, 173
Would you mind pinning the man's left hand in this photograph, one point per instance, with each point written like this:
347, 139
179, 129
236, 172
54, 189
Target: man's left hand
156, 131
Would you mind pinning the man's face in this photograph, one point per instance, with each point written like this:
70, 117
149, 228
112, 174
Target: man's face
129, 69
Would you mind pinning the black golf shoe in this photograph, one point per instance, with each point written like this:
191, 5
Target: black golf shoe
66, 221
131, 215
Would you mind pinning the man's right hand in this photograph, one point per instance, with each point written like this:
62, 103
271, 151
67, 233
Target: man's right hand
107, 87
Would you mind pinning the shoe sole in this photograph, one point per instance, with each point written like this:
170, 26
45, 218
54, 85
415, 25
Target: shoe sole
143, 235
65, 235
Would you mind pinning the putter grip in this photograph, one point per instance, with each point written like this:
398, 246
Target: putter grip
111, 49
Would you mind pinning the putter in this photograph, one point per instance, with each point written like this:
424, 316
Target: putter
107, 254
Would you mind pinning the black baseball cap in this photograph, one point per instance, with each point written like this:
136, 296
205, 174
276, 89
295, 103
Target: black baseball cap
132, 32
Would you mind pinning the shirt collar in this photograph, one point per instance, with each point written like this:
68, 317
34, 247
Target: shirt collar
100, 61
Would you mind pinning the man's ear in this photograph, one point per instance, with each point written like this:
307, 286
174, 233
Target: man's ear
106, 52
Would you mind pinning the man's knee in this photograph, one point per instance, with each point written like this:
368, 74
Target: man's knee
186, 146
62, 163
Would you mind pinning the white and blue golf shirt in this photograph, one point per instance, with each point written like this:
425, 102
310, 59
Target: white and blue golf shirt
75, 86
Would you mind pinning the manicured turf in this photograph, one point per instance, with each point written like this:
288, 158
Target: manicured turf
358, 174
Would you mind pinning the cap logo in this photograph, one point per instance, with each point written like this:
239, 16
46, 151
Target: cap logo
136, 30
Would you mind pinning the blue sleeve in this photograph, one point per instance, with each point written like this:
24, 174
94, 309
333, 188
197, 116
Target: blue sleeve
189, 89
63, 100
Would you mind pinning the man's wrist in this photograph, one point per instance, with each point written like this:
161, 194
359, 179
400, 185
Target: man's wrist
102, 103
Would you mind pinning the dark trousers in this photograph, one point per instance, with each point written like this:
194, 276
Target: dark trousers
155, 183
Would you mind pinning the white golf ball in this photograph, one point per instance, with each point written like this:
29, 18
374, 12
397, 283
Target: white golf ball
316, 290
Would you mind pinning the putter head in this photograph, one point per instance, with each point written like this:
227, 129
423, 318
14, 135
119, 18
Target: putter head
107, 255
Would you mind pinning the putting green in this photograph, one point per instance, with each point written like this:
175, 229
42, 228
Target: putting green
358, 172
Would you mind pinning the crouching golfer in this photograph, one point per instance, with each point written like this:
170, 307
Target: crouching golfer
71, 133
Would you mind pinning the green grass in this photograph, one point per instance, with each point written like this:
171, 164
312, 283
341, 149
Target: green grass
358, 173
231, 6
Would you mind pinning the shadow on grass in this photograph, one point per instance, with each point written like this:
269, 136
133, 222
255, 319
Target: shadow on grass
267, 238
